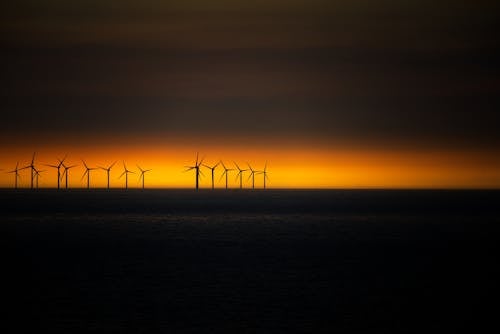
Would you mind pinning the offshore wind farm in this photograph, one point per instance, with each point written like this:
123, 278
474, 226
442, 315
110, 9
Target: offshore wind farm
230, 251
267, 166
64, 175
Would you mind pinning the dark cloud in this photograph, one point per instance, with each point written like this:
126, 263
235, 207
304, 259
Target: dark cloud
388, 72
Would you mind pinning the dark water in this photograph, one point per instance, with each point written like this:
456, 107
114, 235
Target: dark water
249, 262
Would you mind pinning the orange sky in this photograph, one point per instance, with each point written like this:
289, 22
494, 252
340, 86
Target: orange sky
289, 167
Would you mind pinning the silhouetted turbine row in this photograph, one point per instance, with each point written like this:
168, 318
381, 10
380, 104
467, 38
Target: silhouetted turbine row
225, 173
35, 173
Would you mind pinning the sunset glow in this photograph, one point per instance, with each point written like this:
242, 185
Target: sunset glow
332, 94
287, 167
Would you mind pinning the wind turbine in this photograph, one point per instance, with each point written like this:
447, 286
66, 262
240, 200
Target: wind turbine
213, 170
196, 167
264, 172
58, 167
37, 174
32, 167
66, 172
226, 172
240, 174
252, 175
87, 172
108, 170
143, 171
16, 175
125, 172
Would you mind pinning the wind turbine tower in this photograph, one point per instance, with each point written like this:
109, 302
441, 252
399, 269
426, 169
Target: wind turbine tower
240, 174
226, 172
87, 172
58, 167
212, 169
108, 170
196, 167
125, 172
264, 172
37, 175
16, 174
32, 169
252, 175
143, 171
65, 173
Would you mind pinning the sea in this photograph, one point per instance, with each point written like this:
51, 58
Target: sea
249, 261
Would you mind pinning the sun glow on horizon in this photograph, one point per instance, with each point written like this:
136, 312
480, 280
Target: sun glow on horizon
287, 167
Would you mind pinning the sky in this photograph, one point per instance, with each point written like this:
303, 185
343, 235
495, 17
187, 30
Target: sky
329, 93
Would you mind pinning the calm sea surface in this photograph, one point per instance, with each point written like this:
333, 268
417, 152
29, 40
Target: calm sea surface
181, 261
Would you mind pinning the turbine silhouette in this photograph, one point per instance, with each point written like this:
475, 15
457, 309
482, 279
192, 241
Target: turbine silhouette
87, 172
125, 172
66, 173
108, 170
196, 167
37, 174
143, 171
212, 169
58, 167
264, 172
226, 172
16, 175
252, 175
32, 167
240, 174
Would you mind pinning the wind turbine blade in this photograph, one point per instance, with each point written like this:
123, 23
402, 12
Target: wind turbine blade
62, 161
217, 164
196, 159
237, 166
112, 165
121, 175
201, 162
85, 164
223, 164
86, 172
223, 173
139, 168
33, 158
202, 173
